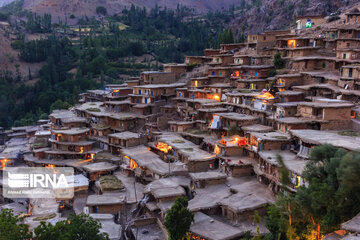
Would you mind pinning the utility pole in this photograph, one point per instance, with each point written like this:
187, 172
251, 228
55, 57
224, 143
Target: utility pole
135, 191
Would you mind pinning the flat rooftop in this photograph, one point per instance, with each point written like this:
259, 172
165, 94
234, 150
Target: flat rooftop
296, 120
271, 136
108, 225
145, 158
257, 128
237, 116
172, 85
250, 195
105, 199
291, 161
212, 229
186, 148
199, 176
124, 135
100, 166
289, 93
353, 225
165, 187
71, 131
327, 104
317, 137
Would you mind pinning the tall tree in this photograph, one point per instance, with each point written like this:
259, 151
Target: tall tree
178, 219
330, 197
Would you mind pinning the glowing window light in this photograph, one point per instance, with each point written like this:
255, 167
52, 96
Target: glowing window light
3, 163
291, 43
216, 149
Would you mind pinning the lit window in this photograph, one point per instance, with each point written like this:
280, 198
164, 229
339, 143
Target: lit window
292, 43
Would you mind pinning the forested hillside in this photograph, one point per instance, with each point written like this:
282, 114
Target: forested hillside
114, 47
85, 52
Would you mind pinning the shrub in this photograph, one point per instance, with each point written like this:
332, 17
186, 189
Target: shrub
279, 62
101, 10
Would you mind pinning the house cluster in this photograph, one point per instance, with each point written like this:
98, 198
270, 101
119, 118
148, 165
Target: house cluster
212, 129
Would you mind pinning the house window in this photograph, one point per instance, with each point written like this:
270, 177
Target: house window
180, 94
281, 82
347, 44
344, 56
137, 101
256, 74
139, 92
220, 73
213, 73
217, 60
323, 65
196, 83
152, 93
247, 73
350, 72
291, 43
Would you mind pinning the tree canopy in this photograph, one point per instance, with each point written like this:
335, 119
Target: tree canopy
331, 197
178, 219
76, 227
279, 62
11, 227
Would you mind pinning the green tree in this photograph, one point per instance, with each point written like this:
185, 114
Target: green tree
59, 104
233, 130
76, 227
279, 62
11, 227
178, 219
101, 10
331, 196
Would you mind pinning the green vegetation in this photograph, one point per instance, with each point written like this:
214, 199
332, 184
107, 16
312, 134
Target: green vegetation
38, 24
178, 219
11, 227
101, 10
74, 227
233, 130
93, 109
110, 183
95, 53
349, 133
45, 217
331, 197
279, 62
197, 131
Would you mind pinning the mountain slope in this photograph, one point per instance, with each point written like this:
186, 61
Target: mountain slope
256, 16
61, 8
5, 2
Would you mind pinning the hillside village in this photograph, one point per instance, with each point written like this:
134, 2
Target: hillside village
210, 129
